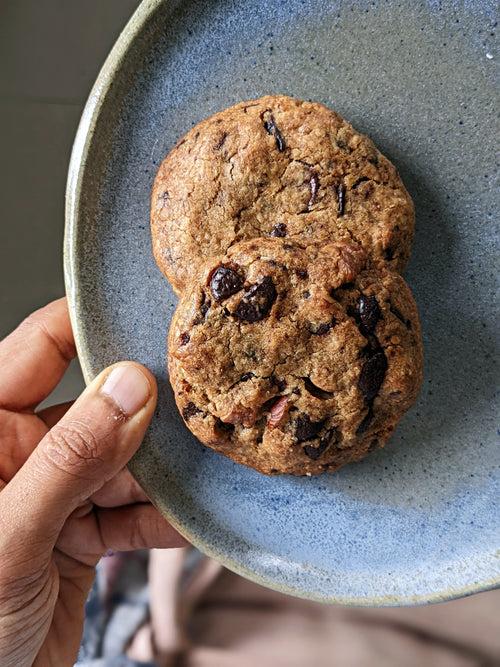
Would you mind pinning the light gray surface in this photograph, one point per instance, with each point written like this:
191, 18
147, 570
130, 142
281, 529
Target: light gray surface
50, 54
418, 520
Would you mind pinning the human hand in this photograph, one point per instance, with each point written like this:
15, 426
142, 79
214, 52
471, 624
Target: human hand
65, 496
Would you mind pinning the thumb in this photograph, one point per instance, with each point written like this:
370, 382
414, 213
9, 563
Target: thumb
86, 448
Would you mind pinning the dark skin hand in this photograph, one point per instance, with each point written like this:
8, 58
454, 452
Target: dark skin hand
65, 495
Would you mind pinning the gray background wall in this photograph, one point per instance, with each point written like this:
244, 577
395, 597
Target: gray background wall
50, 53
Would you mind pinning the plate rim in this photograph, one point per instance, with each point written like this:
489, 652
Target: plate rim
77, 167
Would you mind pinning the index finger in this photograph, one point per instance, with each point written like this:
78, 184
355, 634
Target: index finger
34, 357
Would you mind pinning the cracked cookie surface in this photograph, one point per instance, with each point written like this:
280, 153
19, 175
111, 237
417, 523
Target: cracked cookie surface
293, 360
276, 167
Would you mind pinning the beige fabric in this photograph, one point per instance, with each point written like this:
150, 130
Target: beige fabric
223, 620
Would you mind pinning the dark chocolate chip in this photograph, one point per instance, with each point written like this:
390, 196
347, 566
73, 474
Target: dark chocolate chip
395, 311
389, 253
273, 262
279, 230
220, 142
341, 144
365, 422
316, 391
322, 329
271, 128
373, 160
314, 452
363, 179
270, 403
184, 338
189, 411
204, 308
372, 347
225, 282
302, 274
341, 199
313, 187
347, 286
257, 301
246, 376
223, 426
352, 311
278, 382
306, 294
330, 438
372, 375
369, 313
305, 429
336, 292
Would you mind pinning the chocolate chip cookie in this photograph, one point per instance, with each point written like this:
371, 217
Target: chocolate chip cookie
295, 360
276, 167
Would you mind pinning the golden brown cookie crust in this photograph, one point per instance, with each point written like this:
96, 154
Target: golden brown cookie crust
293, 360
276, 166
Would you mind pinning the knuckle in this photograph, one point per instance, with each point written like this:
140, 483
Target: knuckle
140, 532
72, 445
37, 323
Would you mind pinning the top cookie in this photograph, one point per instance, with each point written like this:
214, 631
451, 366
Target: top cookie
280, 167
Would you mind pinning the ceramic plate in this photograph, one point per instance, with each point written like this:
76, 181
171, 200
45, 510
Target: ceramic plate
417, 521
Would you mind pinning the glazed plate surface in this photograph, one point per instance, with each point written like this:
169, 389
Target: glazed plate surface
417, 521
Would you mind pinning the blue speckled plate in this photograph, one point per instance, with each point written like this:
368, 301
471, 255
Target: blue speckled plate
417, 521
